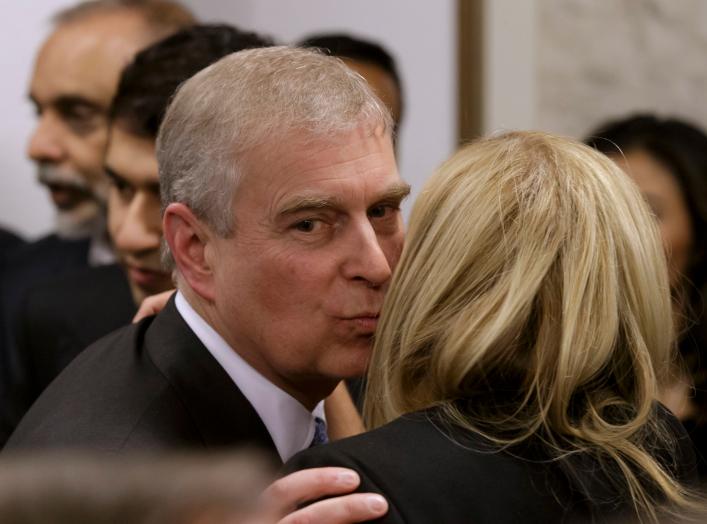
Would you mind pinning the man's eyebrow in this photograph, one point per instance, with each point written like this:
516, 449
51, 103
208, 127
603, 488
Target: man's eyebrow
395, 193
113, 175
304, 203
68, 101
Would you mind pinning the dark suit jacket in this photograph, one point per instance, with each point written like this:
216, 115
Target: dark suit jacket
57, 320
25, 267
148, 386
432, 472
8, 241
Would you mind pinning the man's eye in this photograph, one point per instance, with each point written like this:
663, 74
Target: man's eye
306, 226
125, 190
82, 120
381, 210
377, 211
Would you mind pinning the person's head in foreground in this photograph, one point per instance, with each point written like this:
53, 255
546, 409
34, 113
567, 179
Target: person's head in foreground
281, 210
74, 78
667, 159
146, 86
530, 310
88, 488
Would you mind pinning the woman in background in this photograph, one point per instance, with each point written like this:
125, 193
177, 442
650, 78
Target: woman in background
521, 347
667, 158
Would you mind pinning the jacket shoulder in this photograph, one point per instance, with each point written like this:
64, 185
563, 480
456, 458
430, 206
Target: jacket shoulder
430, 471
108, 398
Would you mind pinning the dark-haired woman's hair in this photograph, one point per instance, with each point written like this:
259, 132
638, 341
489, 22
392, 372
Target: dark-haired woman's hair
682, 148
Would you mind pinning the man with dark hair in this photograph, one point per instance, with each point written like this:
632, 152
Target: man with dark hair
369, 59
74, 79
59, 319
145, 88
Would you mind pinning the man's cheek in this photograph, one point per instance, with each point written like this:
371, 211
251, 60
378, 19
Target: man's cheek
393, 251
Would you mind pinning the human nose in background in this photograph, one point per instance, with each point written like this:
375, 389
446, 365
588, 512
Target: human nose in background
45, 144
140, 229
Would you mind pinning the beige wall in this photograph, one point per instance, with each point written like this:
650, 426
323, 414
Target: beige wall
25, 207
566, 66
599, 59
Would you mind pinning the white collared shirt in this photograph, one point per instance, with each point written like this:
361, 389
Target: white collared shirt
290, 424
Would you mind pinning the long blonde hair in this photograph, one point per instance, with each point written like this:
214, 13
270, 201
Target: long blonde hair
533, 286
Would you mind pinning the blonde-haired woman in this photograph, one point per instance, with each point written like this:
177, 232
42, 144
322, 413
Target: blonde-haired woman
520, 348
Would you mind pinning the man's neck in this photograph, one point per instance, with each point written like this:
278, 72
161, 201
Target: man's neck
308, 393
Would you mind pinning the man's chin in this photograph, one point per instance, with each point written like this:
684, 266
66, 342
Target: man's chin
83, 220
353, 364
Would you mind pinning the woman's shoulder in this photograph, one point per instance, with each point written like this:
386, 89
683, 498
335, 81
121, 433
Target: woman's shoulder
431, 471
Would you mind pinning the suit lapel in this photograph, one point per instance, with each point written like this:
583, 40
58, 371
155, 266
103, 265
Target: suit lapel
221, 413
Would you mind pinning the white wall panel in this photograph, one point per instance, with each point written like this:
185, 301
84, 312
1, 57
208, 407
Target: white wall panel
419, 33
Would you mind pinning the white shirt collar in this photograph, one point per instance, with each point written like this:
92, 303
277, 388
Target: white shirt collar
290, 424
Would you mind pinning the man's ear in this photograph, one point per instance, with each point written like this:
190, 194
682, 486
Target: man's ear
188, 237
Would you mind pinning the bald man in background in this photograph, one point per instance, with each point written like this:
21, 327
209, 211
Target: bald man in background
74, 79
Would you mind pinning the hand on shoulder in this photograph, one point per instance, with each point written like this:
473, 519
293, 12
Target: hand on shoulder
283, 499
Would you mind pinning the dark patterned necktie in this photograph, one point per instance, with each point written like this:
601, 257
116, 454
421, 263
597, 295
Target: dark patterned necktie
320, 436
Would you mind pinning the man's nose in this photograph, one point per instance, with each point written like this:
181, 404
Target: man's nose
366, 260
45, 144
141, 228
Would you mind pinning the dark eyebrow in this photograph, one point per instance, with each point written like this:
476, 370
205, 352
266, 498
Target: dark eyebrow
68, 101
120, 180
115, 177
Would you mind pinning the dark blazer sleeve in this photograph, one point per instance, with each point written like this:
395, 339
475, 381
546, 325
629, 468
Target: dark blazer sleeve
56, 320
326, 456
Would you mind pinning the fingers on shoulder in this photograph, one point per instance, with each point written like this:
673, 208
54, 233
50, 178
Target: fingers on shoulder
310, 484
357, 507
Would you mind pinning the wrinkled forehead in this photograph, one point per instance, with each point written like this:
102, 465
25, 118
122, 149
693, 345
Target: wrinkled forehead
85, 58
351, 166
300, 151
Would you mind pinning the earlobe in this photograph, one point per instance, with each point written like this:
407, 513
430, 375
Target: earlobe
188, 239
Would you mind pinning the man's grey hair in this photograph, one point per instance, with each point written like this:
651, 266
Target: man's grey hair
162, 17
245, 100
